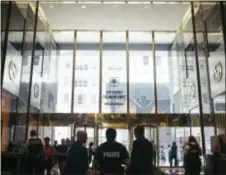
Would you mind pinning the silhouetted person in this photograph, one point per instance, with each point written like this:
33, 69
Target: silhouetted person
162, 155
62, 155
49, 155
55, 145
192, 161
110, 155
68, 142
35, 154
91, 152
154, 153
77, 160
169, 153
142, 154
173, 155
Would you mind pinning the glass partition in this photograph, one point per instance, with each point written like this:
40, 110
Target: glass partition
189, 66
87, 69
216, 62
164, 76
141, 73
114, 91
61, 68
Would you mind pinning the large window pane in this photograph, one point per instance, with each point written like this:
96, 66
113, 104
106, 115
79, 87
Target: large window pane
141, 73
114, 92
217, 68
61, 68
164, 73
17, 67
86, 83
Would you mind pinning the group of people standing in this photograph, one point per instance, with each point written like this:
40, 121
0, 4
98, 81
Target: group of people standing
172, 155
111, 157
191, 156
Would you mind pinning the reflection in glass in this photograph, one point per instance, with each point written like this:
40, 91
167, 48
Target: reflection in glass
164, 72
168, 135
141, 73
86, 86
114, 92
61, 70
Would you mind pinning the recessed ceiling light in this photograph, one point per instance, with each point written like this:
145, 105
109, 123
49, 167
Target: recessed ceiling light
83, 6
51, 6
68, 2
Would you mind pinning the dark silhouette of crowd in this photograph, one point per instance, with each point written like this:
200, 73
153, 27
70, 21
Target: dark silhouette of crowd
110, 158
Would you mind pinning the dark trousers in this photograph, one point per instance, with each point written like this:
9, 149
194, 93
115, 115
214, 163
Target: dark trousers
48, 165
35, 166
175, 161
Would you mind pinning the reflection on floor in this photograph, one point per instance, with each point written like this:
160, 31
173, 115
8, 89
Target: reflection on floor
174, 171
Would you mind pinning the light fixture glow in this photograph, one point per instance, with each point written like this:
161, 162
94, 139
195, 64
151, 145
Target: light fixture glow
51, 6
114, 6
68, 2
83, 6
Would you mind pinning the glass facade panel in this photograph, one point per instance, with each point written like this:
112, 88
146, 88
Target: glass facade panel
141, 73
181, 80
114, 91
26, 74
13, 125
87, 66
216, 61
4, 17
164, 71
61, 68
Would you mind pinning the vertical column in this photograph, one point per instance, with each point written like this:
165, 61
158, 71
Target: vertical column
157, 143
198, 79
74, 130
131, 136
127, 74
31, 68
100, 73
206, 51
170, 65
223, 18
4, 51
154, 72
52, 135
73, 72
73, 80
96, 130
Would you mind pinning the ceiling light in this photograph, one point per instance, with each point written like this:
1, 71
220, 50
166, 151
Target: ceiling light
83, 6
68, 2
114, 6
51, 6
146, 6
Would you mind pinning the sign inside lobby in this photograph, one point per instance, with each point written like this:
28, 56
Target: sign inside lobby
114, 96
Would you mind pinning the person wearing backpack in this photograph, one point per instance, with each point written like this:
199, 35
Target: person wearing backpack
49, 155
